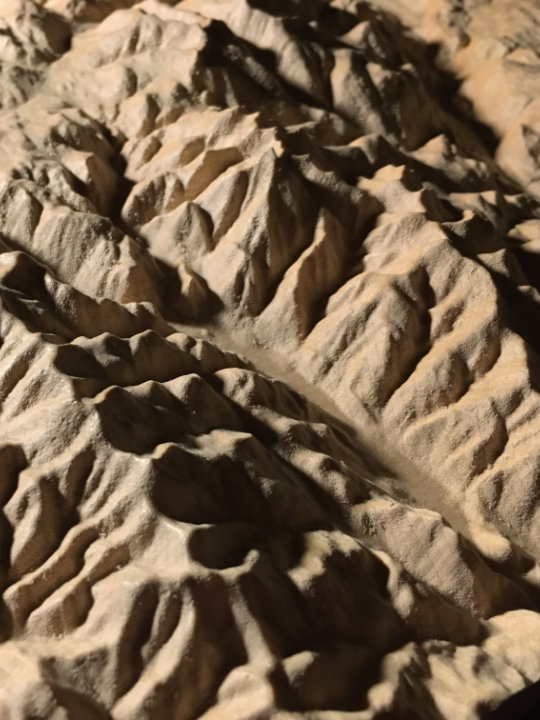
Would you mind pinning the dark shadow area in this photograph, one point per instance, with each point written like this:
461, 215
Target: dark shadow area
524, 705
518, 310
12, 462
523, 311
259, 67
529, 263
79, 705
175, 306
119, 164
441, 84
325, 620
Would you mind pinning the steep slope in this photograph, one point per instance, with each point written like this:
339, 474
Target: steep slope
268, 366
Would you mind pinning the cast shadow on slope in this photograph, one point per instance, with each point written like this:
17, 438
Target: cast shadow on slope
520, 310
524, 705
212, 483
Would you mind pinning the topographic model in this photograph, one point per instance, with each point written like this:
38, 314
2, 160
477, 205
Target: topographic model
269, 370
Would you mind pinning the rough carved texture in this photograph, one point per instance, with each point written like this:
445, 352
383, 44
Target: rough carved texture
268, 365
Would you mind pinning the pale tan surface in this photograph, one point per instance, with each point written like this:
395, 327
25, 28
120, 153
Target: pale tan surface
268, 365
